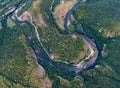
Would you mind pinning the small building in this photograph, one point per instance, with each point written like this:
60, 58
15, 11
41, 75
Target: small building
52, 56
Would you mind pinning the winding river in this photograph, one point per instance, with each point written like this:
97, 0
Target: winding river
39, 54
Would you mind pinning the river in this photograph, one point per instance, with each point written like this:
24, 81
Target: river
42, 55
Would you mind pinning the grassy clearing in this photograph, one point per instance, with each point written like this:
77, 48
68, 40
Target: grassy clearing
35, 7
36, 13
61, 10
10, 23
